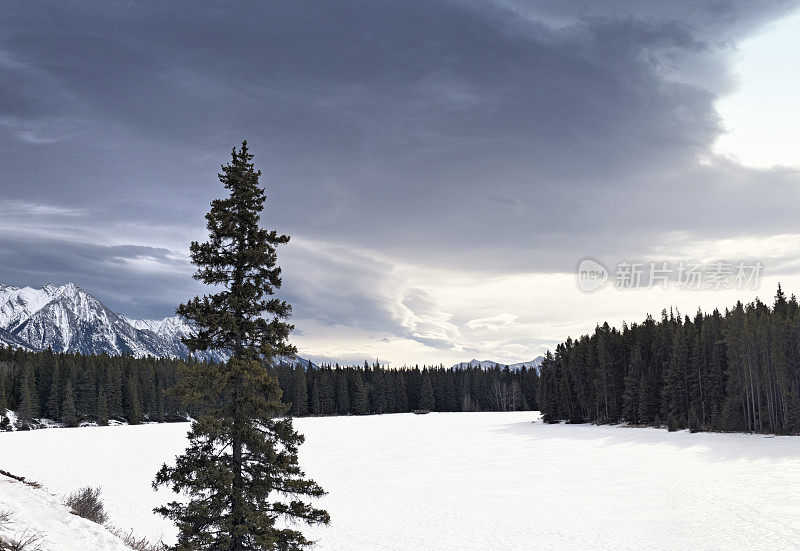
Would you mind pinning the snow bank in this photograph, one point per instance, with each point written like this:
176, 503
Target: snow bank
472, 481
33, 511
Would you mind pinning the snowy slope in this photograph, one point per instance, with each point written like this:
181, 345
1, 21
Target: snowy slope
34, 511
473, 481
489, 364
18, 304
169, 331
7, 339
172, 327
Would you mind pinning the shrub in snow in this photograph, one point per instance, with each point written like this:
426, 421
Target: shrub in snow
24, 542
86, 503
138, 544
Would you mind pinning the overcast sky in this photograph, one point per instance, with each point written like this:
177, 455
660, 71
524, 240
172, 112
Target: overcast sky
442, 167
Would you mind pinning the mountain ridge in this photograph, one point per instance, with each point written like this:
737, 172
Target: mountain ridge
66, 318
490, 364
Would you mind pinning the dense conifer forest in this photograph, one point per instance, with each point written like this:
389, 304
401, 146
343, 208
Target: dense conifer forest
732, 371
737, 370
72, 388
373, 389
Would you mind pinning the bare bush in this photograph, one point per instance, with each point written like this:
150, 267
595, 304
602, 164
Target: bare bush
26, 542
137, 544
86, 503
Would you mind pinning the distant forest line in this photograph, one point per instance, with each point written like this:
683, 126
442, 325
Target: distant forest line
736, 371
732, 371
73, 388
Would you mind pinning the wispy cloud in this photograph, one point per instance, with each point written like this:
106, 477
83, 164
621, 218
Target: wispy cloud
10, 207
495, 323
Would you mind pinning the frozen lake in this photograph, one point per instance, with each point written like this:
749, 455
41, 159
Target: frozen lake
473, 481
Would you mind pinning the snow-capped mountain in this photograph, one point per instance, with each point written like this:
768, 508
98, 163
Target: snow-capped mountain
488, 364
68, 319
172, 326
7, 339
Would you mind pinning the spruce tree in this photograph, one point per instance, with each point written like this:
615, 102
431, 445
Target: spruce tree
426, 398
68, 414
694, 422
633, 385
401, 391
380, 391
315, 401
299, 391
102, 407
241, 459
342, 393
133, 406
3, 402
54, 400
793, 408
327, 396
645, 407
28, 397
359, 395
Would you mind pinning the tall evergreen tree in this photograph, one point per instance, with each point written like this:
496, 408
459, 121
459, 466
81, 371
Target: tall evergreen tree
133, 405
342, 394
102, 407
241, 458
299, 391
359, 395
3, 404
315, 401
68, 414
426, 397
54, 399
28, 396
633, 384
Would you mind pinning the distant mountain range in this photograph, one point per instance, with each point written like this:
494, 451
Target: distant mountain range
68, 319
488, 364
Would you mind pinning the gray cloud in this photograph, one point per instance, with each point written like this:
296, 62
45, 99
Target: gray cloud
500, 137
112, 273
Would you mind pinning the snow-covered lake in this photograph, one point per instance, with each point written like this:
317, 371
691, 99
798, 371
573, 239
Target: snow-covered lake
482, 481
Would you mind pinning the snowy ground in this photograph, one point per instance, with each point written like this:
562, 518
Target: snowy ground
488, 481
33, 512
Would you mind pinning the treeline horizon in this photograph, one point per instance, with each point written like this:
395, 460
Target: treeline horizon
72, 388
731, 371
737, 371
366, 390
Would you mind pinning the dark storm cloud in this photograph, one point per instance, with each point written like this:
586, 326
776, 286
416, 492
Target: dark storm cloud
115, 274
499, 136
